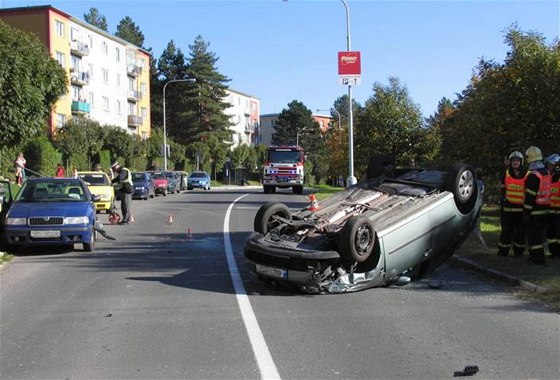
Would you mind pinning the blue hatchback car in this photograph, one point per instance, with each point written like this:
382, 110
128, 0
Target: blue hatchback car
143, 185
200, 180
52, 211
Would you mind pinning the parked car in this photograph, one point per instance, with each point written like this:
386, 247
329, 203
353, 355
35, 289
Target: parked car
161, 183
395, 226
99, 183
143, 185
52, 211
198, 180
174, 186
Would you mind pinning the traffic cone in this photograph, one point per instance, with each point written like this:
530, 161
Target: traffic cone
170, 219
313, 205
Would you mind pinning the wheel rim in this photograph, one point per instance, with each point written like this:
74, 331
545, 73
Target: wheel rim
466, 184
363, 240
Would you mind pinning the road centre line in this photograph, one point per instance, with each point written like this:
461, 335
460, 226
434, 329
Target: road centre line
266, 365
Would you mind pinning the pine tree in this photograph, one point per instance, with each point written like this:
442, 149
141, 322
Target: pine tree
96, 19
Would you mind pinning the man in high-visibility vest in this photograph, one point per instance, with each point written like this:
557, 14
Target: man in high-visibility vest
536, 205
553, 232
123, 184
512, 191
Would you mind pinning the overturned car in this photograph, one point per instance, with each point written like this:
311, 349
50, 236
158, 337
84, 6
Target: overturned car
397, 225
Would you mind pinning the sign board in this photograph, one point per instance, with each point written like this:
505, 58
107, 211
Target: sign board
349, 63
350, 80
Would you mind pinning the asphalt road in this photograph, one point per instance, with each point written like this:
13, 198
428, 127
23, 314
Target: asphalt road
160, 302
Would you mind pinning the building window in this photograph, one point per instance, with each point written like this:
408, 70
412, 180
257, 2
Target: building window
119, 80
60, 120
131, 84
91, 97
117, 54
106, 103
59, 28
119, 107
105, 48
60, 58
144, 112
143, 88
145, 136
105, 75
74, 34
131, 109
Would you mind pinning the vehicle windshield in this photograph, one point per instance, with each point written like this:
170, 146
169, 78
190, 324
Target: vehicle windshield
138, 176
284, 156
69, 190
199, 175
96, 179
169, 175
158, 176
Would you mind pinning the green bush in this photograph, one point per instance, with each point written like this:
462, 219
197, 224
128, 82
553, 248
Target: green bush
41, 156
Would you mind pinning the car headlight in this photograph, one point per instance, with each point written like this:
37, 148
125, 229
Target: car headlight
141, 188
76, 220
16, 221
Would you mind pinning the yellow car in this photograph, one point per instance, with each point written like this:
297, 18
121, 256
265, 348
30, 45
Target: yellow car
100, 184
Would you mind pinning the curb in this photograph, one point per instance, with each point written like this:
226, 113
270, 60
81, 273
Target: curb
503, 277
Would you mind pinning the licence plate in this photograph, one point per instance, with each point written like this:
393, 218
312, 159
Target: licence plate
45, 234
272, 272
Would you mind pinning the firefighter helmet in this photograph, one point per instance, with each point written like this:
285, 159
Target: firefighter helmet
553, 159
516, 154
533, 154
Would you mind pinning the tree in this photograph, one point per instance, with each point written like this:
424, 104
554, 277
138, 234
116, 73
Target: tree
79, 140
94, 18
507, 106
30, 84
390, 123
128, 31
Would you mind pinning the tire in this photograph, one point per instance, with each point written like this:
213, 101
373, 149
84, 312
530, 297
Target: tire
297, 189
267, 189
264, 220
380, 164
90, 247
164, 193
462, 183
357, 239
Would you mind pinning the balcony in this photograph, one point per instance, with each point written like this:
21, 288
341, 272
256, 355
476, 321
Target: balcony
79, 48
134, 121
79, 77
134, 96
80, 107
133, 70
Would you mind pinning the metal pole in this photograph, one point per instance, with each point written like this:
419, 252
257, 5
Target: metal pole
192, 80
351, 179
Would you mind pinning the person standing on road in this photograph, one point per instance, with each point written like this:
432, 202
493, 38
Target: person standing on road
536, 205
19, 168
59, 170
553, 231
512, 194
123, 184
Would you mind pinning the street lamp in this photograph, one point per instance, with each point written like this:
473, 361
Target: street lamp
192, 80
351, 179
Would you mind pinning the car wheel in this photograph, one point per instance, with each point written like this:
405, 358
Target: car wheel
164, 193
379, 164
206, 187
189, 188
265, 218
462, 183
89, 247
357, 239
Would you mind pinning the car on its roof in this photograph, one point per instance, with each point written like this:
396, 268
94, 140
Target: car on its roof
51, 211
100, 184
394, 226
200, 180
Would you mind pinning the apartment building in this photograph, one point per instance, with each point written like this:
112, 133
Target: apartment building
268, 126
108, 77
244, 115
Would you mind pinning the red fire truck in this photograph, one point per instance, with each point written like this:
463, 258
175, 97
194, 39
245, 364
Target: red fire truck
283, 168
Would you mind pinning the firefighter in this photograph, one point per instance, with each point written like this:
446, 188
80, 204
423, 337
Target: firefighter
553, 228
512, 194
536, 204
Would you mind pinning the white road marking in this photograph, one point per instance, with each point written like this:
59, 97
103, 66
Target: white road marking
266, 365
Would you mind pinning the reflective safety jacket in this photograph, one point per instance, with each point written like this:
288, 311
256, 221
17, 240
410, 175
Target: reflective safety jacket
555, 193
514, 189
537, 192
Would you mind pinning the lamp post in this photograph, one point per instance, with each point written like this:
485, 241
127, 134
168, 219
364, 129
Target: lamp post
351, 179
192, 80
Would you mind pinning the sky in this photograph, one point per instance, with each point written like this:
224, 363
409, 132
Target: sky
284, 50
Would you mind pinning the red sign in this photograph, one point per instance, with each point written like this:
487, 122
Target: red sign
349, 63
